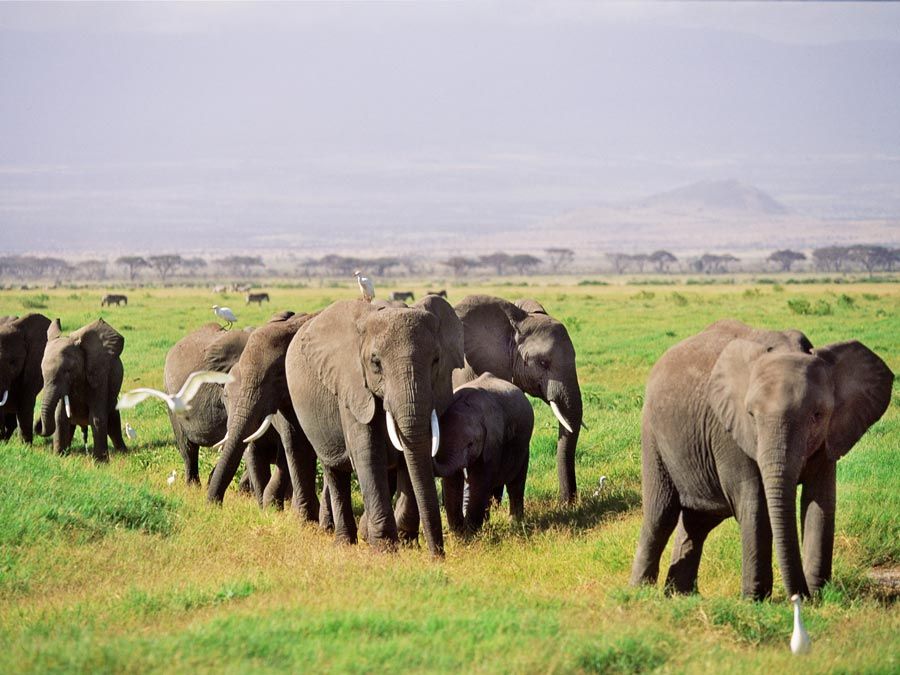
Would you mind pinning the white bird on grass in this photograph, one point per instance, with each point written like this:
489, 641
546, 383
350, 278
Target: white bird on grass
600, 485
366, 287
179, 403
800, 642
225, 314
171, 479
129, 431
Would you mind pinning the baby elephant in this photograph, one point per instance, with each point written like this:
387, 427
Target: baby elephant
485, 432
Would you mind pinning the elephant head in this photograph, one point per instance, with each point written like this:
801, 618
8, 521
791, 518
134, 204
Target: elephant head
399, 360
524, 345
22, 343
254, 398
83, 363
472, 428
782, 407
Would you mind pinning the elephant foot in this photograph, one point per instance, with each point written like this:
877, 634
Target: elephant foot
344, 540
384, 545
408, 539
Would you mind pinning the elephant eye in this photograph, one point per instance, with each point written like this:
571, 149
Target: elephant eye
544, 363
817, 416
750, 412
376, 363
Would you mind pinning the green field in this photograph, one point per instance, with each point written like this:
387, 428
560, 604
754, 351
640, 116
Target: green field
106, 568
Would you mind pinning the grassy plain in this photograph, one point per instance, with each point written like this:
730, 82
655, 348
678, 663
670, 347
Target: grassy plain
106, 568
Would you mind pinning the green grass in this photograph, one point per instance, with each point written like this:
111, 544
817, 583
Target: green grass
106, 568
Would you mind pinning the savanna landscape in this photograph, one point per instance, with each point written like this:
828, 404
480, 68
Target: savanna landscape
108, 568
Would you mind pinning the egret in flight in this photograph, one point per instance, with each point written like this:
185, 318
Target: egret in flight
225, 314
366, 287
178, 403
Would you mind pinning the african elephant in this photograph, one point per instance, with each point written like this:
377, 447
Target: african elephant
208, 348
257, 396
22, 342
82, 377
734, 419
358, 374
486, 431
524, 345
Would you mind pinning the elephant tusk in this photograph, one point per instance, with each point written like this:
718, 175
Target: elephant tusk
68, 406
392, 430
435, 434
266, 423
221, 443
5, 396
559, 416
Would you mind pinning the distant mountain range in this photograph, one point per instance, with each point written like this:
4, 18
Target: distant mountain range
718, 195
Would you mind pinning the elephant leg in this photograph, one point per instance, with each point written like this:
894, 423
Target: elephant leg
259, 471
326, 517
190, 452
100, 429
756, 546
406, 510
661, 509
62, 437
693, 528
301, 463
817, 512
278, 485
245, 485
25, 418
8, 427
479, 502
341, 505
115, 431
452, 488
516, 490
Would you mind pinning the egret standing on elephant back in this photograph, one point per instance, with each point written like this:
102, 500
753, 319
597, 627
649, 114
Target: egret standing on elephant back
366, 287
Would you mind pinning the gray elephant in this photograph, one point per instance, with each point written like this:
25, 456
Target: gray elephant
258, 397
22, 342
734, 420
359, 374
82, 376
208, 348
486, 431
524, 345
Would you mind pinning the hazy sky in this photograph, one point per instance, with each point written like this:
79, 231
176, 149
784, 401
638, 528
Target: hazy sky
143, 121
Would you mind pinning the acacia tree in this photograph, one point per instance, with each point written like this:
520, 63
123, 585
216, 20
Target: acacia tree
619, 261
498, 261
830, 258
459, 264
241, 265
134, 263
192, 265
165, 264
872, 257
557, 257
662, 259
524, 263
786, 258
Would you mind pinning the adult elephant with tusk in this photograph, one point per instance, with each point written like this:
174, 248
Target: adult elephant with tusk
734, 421
351, 369
82, 377
22, 342
258, 400
522, 344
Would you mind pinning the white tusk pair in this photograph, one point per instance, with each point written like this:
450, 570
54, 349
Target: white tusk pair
5, 396
68, 406
263, 428
559, 416
395, 439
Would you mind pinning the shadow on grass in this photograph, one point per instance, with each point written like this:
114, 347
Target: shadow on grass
585, 514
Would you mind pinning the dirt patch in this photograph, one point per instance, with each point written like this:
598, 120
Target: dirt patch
887, 582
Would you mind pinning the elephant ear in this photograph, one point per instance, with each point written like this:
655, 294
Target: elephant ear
34, 327
281, 316
331, 343
225, 351
101, 344
531, 306
449, 330
862, 392
54, 330
728, 385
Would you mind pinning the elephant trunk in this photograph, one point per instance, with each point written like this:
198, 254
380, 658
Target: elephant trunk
781, 498
49, 401
414, 426
241, 424
565, 400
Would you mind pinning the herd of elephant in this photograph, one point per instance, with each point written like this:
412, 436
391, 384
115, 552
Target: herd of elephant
735, 420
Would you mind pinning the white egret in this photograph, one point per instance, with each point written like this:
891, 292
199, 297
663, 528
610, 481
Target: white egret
178, 403
600, 485
129, 431
800, 642
171, 479
225, 314
366, 287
